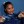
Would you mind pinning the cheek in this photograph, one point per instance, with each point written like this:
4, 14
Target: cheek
12, 9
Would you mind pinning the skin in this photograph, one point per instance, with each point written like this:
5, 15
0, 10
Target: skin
1, 19
21, 15
9, 9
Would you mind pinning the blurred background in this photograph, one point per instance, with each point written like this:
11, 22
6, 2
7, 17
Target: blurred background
18, 6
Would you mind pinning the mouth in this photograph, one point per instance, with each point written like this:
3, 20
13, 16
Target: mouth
11, 13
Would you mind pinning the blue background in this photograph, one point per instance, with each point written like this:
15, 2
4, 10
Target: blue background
18, 5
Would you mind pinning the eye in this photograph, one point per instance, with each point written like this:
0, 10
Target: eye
12, 7
8, 8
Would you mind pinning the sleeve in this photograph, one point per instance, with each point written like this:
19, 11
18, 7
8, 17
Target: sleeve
22, 20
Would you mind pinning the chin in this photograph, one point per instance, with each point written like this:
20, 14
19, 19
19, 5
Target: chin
11, 13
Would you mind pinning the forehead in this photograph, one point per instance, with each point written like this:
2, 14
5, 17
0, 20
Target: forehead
9, 6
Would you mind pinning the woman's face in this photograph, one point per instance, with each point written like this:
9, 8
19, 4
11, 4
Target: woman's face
9, 9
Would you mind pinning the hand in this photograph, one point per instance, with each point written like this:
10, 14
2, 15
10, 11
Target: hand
2, 19
21, 15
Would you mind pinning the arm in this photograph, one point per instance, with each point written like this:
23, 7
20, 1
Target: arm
21, 16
